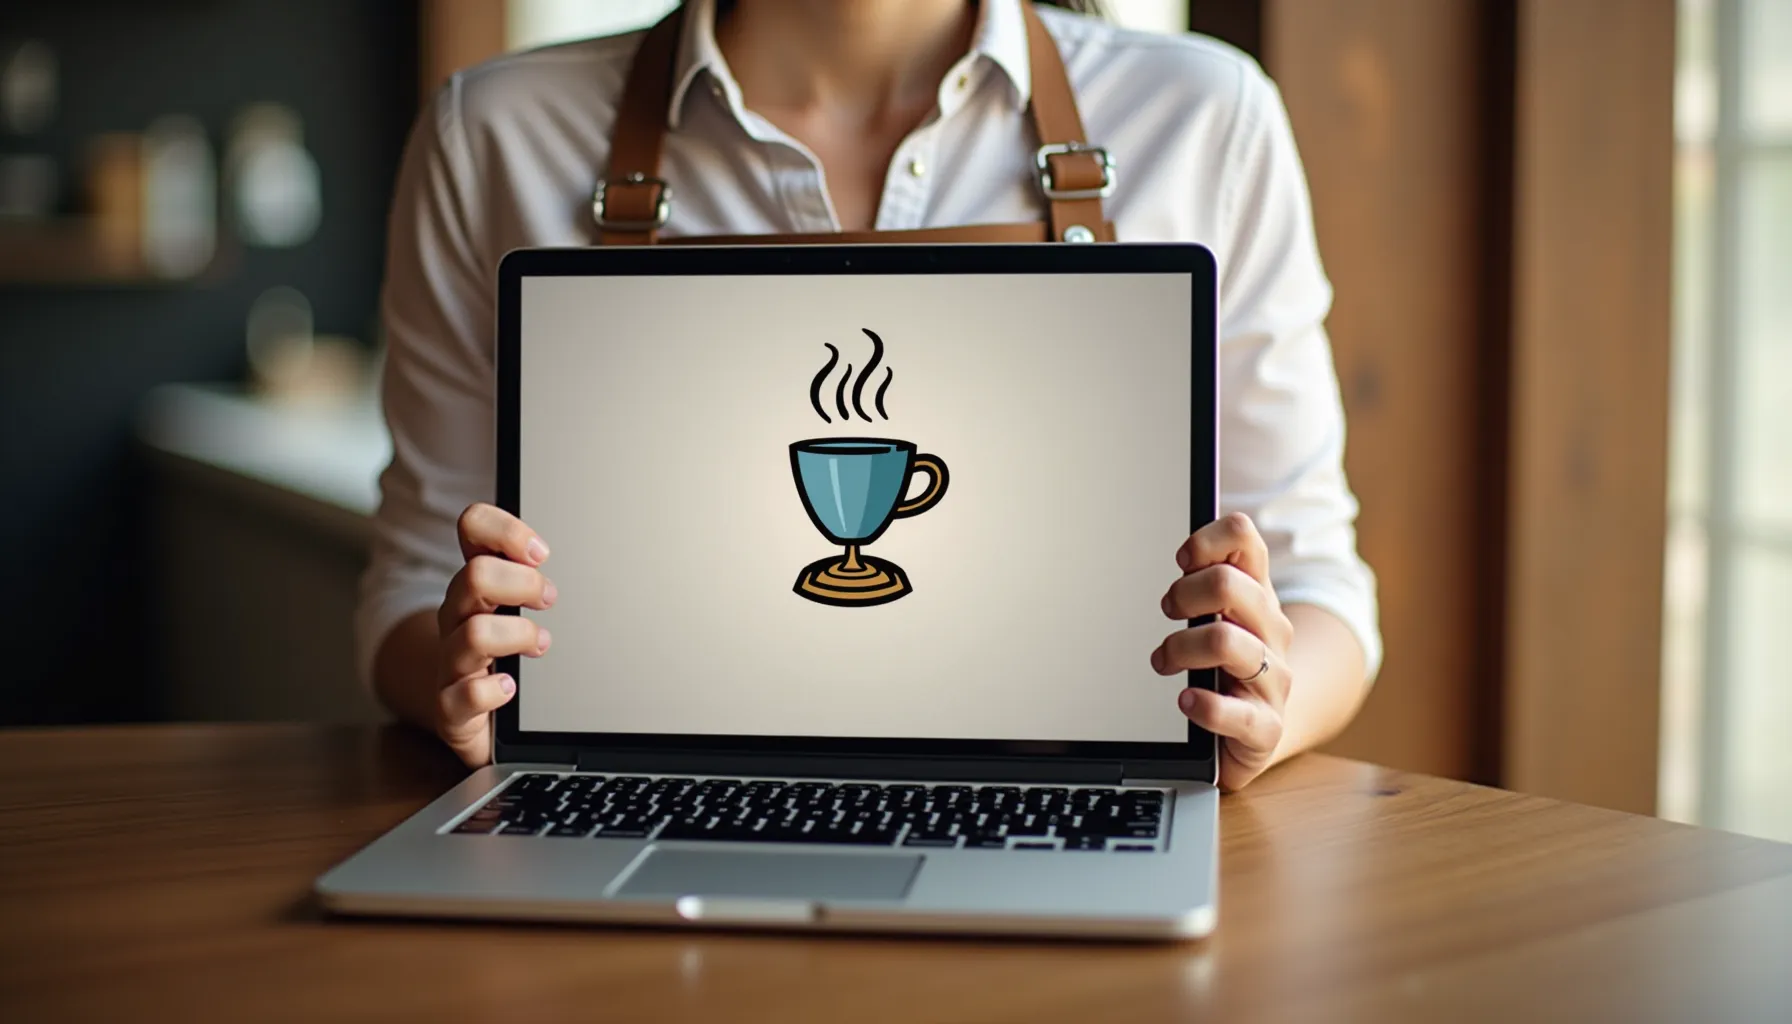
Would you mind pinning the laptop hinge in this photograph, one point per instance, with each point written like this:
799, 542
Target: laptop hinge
926, 769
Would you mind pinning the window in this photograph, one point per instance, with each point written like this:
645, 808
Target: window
1727, 697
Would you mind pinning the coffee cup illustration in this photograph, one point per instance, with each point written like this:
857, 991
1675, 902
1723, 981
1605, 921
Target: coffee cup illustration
853, 488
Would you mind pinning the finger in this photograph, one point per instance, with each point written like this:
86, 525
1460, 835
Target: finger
1249, 722
1231, 592
1222, 645
487, 583
489, 530
1231, 539
471, 647
465, 700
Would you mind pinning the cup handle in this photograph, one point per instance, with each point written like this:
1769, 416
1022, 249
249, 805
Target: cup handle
935, 468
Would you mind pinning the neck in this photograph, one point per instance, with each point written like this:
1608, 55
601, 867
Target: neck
862, 54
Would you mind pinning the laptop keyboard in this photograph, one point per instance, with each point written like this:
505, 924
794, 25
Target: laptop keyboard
583, 806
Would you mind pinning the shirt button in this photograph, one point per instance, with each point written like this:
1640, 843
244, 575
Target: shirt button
916, 167
963, 81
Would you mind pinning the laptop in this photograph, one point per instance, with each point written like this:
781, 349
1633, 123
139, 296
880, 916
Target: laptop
860, 552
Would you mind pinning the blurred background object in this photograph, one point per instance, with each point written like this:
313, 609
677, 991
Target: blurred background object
27, 87
275, 186
28, 83
1558, 234
180, 197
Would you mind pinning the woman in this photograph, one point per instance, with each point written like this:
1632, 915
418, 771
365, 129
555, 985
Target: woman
817, 116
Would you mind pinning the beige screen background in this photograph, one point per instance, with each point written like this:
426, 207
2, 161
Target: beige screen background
656, 420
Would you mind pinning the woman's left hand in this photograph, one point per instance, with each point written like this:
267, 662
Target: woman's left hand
1226, 573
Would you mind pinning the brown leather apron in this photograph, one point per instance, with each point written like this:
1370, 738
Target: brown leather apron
633, 202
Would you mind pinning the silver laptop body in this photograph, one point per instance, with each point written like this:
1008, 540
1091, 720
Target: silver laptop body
948, 724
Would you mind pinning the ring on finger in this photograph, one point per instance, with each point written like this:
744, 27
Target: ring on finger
1261, 668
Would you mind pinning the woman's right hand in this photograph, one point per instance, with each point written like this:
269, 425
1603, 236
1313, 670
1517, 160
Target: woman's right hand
503, 569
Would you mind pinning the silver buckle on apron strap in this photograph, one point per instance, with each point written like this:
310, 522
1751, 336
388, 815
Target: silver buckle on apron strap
1042, 160
662, 210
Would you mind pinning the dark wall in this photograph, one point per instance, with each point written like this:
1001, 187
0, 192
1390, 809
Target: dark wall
75, 362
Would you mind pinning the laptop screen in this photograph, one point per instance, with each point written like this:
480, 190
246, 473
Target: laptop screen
902, 506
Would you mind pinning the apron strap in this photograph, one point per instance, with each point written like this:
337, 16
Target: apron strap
632, 201
1073, 175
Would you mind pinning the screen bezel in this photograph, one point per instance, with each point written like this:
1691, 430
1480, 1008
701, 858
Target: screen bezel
1193, 759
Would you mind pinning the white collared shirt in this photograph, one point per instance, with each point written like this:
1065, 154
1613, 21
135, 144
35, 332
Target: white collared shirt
507, 154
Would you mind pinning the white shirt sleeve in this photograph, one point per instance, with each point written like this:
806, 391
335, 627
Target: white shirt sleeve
437, 312
1281, 415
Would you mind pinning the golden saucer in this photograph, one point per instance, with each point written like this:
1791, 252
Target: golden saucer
836, 580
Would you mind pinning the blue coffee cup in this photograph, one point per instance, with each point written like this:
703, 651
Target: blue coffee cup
852, 487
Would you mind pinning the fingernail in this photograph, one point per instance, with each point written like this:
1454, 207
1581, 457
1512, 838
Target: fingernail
543, 638
549, 593
508, 684
1186, 700
1157, 660
536, 550
1183, 558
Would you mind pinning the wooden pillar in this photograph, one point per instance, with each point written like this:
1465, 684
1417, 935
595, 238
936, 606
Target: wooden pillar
1591, 277
1492, 190
1387, 99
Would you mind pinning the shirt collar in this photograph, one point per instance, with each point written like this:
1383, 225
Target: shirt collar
1000, 36
697, 54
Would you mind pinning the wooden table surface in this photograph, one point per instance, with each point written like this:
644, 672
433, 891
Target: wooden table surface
162, 873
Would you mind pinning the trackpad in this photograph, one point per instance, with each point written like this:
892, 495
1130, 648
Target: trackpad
752, 874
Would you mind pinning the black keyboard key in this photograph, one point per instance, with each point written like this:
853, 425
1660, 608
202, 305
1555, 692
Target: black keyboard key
1134, 846
577, 829
477, 826
1034, 845
520, 828
951, 796
932, 839
1120, 827
705, 829
985, 841
866, 837
807, 793
629, 822
620, 832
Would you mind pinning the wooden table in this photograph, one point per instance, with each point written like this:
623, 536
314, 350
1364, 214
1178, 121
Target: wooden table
162, 873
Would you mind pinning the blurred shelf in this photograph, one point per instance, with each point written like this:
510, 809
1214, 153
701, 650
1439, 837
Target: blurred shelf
75, 252
326, 454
